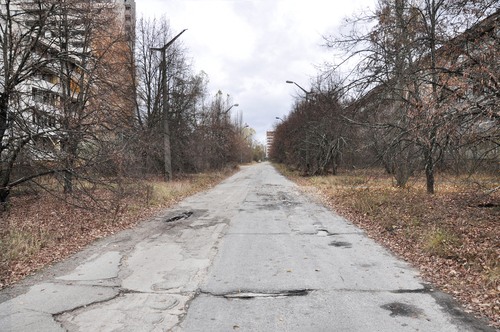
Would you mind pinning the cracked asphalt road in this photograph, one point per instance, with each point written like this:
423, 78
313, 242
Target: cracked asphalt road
252, 254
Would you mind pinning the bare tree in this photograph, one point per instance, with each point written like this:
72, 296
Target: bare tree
22, 29
220, 133
56, 68
202, 134
402, 59
183, 94
315, 135
93, 94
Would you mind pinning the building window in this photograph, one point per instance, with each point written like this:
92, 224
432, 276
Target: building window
46, 76
45, 97
43, 119
78, 44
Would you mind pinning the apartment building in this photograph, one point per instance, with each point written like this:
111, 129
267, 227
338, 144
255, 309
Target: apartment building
269, 142
128, 10
464, 92
49, 56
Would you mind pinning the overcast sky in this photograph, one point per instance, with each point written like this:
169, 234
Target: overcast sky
249, 48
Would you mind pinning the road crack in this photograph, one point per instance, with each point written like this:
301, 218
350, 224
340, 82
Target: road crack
427, 289
86, 305
248, 295
182, 316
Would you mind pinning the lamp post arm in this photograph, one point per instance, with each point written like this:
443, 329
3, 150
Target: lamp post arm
227, 111
301, 88
169, 43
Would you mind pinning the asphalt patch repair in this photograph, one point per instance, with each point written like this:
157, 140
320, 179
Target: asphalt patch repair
402, 309
340, 244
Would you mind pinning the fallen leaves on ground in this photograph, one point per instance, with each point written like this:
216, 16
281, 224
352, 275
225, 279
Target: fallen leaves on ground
40, 229
453, 236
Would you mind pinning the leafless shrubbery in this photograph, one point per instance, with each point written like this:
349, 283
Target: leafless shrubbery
81, 109
421, 94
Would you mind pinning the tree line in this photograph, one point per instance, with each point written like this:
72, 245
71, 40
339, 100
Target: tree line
415, 89
81, 101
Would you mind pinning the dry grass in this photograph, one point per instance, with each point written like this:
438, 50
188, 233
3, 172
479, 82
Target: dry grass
453, 236
40, 229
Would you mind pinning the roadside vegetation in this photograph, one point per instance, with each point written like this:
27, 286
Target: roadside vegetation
83, 153
451, 236
401, 135
40, 228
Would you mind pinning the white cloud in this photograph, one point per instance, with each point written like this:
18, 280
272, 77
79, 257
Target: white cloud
250, 47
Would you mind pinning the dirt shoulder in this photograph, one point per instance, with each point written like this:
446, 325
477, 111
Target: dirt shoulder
40, 229
452, 237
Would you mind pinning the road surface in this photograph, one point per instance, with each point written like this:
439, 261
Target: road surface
252, 254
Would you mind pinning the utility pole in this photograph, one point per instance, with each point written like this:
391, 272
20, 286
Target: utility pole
308, 103
166, 129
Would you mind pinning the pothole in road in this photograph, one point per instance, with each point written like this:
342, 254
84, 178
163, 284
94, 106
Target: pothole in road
402, 309
268, 207
323, 232
319, 232
340, 244
286, 200
183, 215
252, 295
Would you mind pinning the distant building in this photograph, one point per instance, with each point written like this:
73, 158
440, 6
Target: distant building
269, 142
128, 16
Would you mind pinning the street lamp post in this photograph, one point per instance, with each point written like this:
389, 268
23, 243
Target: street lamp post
230, 107
301, 88
166, 128
244, 141
307, 121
